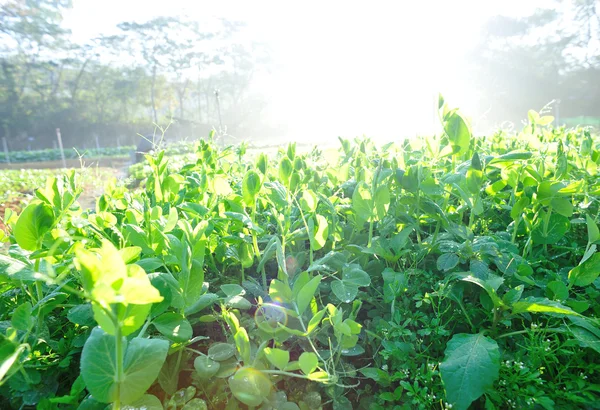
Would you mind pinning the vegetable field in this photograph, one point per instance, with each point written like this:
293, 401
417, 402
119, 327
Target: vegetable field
450, 271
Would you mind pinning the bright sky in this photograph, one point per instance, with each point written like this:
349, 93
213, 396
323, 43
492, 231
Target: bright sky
347, 67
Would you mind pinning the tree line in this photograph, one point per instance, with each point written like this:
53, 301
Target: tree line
160, 72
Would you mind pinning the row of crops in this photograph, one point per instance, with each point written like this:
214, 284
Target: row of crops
55, 154
445, 272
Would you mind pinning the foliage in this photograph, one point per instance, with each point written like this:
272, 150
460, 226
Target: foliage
447, 272
55, 155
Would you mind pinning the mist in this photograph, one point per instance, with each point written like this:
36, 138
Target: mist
106, 71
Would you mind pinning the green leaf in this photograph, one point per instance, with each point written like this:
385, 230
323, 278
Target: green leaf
277, 357
558, 226
308, 201
315, 320
306, 293
592, 229
513, 295
519, 207
308, 362
242, 342
447, 261
250, 386
541, 305
381, 202
232, 290
250, 187
280, 292
9, 353
355, 275
285, 170
221, 351
377, 375
13, 269
563, 206
557, 290
586, 333
318, 237
195, 404
203, 302
146, 402
362, 204
21, 318
470, 367
458, 132
142, 362
82, 315
344, 291
206, 367
173, 326
35, 220
585, 273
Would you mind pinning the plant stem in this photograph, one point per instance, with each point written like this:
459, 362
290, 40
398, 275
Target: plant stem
520, 332
118, 362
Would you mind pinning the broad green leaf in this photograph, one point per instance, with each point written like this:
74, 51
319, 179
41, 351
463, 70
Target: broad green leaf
344, 291
557, 227
277, 357
280, 292
9, 353
221, 351
285, 171
541, 305
513, 295
489, 285
447, 261
585, 273
470, 367
250, 386
203, 302
318, 236
308, 201
458, 132
195, 404
82, 315
21, 317
592, 229
250, 187
220, 185
306, 293
519, 207
232, 290
143, 359
13, 269
308, 362
146, 402
173, 326
355, 275
563, 206
206, 367
557, 290
586, 333
242, 343
362, 204
35, 220
262, 162
381, 202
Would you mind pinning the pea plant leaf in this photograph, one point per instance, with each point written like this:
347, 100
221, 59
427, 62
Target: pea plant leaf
585, 273
35, 220
142, 361
471, 366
